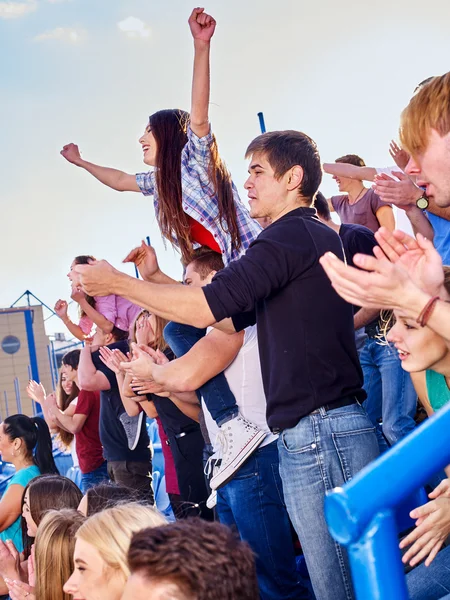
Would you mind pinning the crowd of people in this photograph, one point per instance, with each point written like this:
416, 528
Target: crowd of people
290, 353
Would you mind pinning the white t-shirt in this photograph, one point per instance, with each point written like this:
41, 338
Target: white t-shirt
245, 381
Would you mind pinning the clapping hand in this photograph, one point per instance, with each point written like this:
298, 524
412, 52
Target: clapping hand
36, 391
401, 157
112, 358
9, 560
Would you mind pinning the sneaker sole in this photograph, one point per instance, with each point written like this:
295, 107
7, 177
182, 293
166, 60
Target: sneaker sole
224, 475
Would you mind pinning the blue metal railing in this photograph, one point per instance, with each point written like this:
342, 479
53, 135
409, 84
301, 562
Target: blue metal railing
367, 514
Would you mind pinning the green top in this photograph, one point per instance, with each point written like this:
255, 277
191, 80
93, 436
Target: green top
14, 531
438, 390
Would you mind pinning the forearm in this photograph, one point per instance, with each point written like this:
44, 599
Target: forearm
352, 171
101, 321
86, 368
419, 222
131, 407
182, 304
364, 316
200, 89
74, 329
66, 422
113, 178
189, 409
412, 305
160, 277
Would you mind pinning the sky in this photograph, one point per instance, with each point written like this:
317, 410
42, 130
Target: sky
92, 71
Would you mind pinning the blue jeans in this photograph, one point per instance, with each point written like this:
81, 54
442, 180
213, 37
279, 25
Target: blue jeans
391, 396
253, 503
99, 475
323, 451
433, 582
216, 392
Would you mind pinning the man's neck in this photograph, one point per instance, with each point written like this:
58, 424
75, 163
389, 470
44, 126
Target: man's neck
287, 209
355, 191
332, 225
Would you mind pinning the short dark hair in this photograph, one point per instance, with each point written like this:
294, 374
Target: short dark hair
351, 159
286, 149
71, 359
204, 260
205, 560
321, 206
119, 334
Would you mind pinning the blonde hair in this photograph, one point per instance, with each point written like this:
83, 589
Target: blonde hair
159, 342
428, 109
55, 543
111, 530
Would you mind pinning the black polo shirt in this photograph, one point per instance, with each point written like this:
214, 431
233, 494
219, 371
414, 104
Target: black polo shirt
305, 329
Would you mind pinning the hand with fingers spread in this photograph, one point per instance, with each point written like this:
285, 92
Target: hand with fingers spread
141, 365
112, 358
432, 529
202, 25
401, 157
144, 331
377, 283
61, 308
9, 560
145, 259
36, 391
18, 590
402, 193
72, 154
418, 257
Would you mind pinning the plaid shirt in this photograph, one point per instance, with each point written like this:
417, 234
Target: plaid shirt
200, 200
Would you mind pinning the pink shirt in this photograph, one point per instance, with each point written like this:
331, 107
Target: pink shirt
119, 311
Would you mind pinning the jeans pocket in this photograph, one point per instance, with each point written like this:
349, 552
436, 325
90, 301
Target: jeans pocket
355, 449
293, 440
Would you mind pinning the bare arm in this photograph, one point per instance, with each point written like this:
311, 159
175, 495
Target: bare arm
72, 424
352, 171
385, 216
113, 178
128, 397
364, 316
89, 378
419, 222
190, 409
96, 317
202, 28
10, 506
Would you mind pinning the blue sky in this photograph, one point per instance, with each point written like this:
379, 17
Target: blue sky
91, 71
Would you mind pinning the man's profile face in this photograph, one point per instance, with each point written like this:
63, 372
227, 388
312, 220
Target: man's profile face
266, 194
432, 168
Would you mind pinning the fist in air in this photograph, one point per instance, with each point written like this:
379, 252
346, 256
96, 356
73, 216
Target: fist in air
71, 153
202, 25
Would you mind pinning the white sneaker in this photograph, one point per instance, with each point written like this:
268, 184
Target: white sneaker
238, 438
212, 500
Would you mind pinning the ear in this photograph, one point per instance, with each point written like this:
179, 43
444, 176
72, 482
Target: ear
109, 339
295, 178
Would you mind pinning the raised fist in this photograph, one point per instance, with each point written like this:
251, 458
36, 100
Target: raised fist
61, 309
71, 153
202, 25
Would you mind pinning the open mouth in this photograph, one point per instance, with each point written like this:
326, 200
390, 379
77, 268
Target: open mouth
402, 354
145, 148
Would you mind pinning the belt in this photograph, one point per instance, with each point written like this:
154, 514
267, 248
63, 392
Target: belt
347, 401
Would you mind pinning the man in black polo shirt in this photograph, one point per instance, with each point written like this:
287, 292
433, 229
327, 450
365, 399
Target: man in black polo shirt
311, 373
132, 468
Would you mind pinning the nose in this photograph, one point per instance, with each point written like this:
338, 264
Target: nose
393, 334
412, 168
248, 184
70, 586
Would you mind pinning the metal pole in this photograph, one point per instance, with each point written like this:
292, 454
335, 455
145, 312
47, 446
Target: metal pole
261, 122
52, 372
17, 391
6, 404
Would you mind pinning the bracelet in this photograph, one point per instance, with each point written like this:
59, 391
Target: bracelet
425, 314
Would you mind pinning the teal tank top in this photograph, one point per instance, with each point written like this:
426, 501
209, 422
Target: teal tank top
438, 390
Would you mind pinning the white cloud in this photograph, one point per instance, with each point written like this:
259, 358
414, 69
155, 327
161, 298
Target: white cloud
64, 34
134, 28
13, 9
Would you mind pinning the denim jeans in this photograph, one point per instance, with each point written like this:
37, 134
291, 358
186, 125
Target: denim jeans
216, 392
99, 475
323, 451
391, 396
433, 582
253, 503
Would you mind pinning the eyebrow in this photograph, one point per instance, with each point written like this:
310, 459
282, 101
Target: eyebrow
256, 166
80, 561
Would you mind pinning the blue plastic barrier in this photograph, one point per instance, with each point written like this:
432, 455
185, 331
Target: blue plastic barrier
364, 514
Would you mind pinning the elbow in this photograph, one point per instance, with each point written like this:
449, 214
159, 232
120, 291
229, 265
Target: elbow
202, 321
76, 429
87, 384
108, 327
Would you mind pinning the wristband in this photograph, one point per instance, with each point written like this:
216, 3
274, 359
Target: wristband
425, 314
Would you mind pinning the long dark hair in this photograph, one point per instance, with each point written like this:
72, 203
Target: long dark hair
48, 492
36, 436
107, 495
169, 128
84, 259
63, 400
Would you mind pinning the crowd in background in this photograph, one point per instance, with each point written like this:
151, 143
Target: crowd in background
291, 352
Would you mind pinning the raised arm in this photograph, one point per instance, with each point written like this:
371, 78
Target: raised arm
93, 314
90, 379
202, 28
351, 171
113, 178
146, 261
60, 309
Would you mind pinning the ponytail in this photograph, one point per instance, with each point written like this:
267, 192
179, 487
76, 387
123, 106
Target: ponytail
35, 434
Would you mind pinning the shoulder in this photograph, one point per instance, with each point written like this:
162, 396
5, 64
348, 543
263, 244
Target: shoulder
24, 476
338, 200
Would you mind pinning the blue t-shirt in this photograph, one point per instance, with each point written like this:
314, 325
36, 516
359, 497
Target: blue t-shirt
14, 531
441, 236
